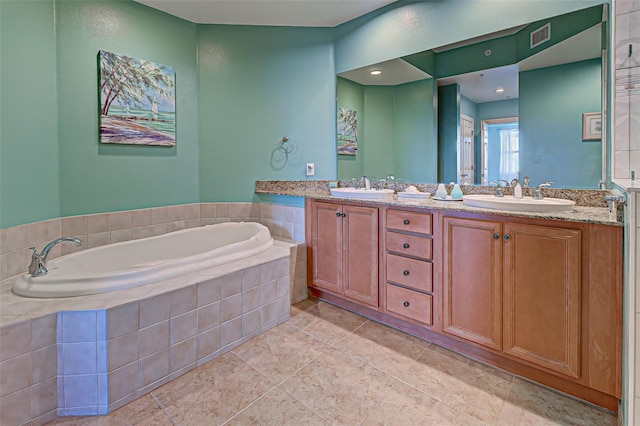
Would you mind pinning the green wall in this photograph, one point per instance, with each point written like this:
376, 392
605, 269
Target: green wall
550, 149
448, 132
29, 178
350, 95
256, 85
378, 130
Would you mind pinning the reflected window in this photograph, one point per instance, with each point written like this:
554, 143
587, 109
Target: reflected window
509, 154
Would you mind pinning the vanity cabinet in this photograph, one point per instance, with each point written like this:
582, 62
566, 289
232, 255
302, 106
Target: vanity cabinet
409, 265
344, 250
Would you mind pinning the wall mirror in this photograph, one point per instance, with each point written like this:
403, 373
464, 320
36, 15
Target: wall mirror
502, 106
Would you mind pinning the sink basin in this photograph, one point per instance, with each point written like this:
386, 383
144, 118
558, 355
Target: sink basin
526, 204
365, 194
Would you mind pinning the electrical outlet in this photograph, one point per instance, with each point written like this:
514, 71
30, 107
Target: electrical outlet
311, 169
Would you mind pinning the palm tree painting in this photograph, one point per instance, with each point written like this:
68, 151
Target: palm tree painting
347, 131
137, 101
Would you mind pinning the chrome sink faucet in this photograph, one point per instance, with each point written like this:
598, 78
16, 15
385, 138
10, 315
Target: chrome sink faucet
537, 195
499, 190
366, 182
38, 266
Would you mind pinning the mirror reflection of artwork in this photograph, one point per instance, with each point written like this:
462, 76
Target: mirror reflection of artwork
137, 101
347, 131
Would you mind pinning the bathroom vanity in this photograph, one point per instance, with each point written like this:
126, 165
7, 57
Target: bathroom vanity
538, 296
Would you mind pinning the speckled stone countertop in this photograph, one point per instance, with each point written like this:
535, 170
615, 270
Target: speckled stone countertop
590, 205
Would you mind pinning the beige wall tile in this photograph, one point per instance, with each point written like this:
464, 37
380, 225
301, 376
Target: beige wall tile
15, 374
142, 232
183, 327
208, 210
15, 339
266, 211
283, 286
192, 211
122, 350
208, 342
39, 233
97, 223
269, 293
251, 277
208, 316
43, 331
252, 298
230, 307
123, 382
240, 210
251, 322
175, 374
98, 239
209, 291
282, 267
14, 238
18, 261
231, 284
208, 221
175, 213
45, 418
122, 319
183, 354
119, 220
74, 226
153, 339
177, 226
15, 408
120, 235
154, 310
68, 248
268, 272
44, 363
140, 217
183, 300
154, 367
160, 229
192, 223
159, 215
44, 397
223, 210
254, 213
230, 331
4, 268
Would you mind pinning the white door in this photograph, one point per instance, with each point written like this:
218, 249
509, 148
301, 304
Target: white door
466, 157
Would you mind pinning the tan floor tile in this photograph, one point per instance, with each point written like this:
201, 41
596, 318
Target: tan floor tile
530, 404
142, 411
303, 305
327, 322
277, 408
214, 392
280, 352
385, 348
467, 386
404, 405
339, 388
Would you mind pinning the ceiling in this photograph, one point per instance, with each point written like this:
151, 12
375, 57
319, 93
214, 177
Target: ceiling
294, 13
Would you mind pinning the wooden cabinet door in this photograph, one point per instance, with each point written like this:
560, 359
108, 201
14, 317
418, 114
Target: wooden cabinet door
360, 254
472, 276
326, 240
542, 296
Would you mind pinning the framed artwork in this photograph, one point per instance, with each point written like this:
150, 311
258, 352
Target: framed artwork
137, 101
347, 131
591, 126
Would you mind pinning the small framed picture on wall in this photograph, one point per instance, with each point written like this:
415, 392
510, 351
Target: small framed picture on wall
591, 126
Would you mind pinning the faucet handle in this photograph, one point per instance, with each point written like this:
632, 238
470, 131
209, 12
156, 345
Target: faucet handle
545, 184
525, 181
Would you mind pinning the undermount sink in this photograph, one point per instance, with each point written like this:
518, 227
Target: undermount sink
365, 194
525, 204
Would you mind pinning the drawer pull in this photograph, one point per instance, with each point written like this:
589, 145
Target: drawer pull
338, 214
496, 236
405, 245
406, 221
405, 304
405, 272
506, 237
343, 215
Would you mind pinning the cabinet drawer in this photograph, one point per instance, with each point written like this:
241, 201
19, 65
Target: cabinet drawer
410, 304
410, 272
409, 244
409, 221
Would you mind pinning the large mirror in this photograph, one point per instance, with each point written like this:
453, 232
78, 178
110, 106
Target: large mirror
526, 101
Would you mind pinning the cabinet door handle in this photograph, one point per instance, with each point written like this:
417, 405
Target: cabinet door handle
344, 215
338, 214
406, 221
496, 236
405, 272
506, 237
405, 245
405, 304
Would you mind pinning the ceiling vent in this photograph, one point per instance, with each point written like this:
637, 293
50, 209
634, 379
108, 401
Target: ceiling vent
541, 35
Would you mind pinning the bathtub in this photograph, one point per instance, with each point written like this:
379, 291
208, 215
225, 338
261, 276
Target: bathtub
134, 263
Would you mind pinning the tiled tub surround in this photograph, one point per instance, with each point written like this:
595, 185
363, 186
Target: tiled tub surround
112, 348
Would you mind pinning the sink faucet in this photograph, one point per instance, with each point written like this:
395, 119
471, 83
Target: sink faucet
38, 266
537, 195
366, 182
499, 190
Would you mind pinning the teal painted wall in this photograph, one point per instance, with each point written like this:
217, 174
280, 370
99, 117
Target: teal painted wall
468, 107
256, 85
448, 132
378, 130
98, 177
350, 95
549, 101
29, 183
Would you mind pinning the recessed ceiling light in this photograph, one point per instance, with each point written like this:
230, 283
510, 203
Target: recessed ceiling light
500, 90
375, 72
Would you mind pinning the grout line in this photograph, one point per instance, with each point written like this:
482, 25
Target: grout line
164, 409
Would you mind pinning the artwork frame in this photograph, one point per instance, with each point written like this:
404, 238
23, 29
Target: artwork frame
591, 126
347, 132
137, 101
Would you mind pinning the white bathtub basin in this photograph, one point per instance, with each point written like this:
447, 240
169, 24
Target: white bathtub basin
365, 194
525, 204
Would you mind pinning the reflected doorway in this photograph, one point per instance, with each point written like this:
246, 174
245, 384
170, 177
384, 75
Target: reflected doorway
466, 151
500, 150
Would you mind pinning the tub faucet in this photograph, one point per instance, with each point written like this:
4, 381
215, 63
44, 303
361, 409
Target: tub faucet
537, 195
38, 266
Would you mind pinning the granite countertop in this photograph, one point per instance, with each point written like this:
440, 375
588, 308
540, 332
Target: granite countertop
589, 208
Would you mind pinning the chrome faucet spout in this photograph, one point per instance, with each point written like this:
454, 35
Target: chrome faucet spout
537, 195
366, 182
38, 266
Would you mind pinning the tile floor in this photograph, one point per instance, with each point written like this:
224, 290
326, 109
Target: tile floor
329, 366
